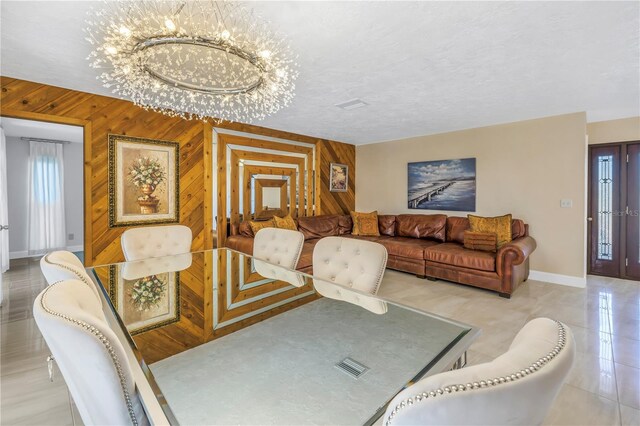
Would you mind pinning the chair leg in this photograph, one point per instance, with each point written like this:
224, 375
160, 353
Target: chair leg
505, 295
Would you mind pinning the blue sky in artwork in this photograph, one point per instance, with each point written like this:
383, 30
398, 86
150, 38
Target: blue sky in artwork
444, 170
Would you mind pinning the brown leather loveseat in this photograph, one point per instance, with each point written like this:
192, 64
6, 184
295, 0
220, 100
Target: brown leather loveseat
428, 246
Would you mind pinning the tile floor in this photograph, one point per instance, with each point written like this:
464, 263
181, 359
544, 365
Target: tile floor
602, 389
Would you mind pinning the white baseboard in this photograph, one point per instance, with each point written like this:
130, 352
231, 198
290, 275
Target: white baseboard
25, 254
558, 279
18, 254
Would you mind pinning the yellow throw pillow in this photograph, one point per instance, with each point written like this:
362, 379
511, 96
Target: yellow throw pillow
365, 224
286, 222
257, 225
500, 225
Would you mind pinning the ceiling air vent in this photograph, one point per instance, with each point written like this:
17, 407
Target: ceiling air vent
352, 367
352, 104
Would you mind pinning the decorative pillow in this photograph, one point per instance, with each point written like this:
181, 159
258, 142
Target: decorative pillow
365, 224
500, 225
484, 241
286, 222
261, 224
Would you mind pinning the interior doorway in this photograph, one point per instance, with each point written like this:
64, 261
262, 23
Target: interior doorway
43, 183
614, 210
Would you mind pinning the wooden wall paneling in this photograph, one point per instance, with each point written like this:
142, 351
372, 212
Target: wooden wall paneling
208, 185
260, 184
221, 224
328, 202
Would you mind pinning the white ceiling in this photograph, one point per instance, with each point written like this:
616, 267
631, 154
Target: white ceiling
18, 128
421, 67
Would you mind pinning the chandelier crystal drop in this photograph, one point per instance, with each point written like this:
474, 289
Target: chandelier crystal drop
192, 59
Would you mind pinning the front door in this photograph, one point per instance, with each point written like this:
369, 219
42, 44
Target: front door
614, 210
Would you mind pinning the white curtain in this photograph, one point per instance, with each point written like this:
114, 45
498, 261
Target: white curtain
46, 198
4, 213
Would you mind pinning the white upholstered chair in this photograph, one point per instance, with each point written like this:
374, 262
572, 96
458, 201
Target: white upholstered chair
349, 262
517, 388
64, 265
278, 246
156, 241
276, 253
90, 356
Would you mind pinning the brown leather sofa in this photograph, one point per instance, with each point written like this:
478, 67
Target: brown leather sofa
429, 246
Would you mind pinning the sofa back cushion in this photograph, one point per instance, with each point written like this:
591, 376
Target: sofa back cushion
518, 229
244, 229
432, 226
321, 226
387, 224
345, 224
455, 229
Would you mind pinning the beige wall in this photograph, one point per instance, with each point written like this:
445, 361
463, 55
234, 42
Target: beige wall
622, 130
523, 168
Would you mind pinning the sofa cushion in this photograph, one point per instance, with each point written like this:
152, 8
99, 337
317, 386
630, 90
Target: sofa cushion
319, 226
387, 224
457, 255
455, 229
432, 226
408, 247
306, 256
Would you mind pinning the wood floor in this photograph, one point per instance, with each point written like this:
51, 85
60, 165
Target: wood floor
602, 389
27, 397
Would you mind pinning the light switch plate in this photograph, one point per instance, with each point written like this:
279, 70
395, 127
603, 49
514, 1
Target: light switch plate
566, 203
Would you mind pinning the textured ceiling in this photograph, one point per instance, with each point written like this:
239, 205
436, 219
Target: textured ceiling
421, 67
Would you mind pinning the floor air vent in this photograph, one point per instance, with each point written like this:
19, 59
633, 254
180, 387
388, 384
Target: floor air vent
352, 367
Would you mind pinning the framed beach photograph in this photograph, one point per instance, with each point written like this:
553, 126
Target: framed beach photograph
146, 303
442, 185
338, 177
143, 181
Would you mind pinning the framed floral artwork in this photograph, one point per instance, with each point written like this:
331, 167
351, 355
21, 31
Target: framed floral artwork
338, 177
145, 303
143, 181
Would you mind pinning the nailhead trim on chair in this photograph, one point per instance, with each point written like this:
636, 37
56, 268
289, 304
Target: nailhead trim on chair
98, 334
562, 333
69, 268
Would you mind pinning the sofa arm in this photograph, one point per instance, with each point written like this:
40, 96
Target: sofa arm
514, 253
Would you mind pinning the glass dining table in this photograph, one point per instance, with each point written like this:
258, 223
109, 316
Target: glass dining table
218, 337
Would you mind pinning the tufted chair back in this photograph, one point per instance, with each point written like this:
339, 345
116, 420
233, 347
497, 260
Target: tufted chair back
349, 262
64, 265
156, 241
281, 247
517, 388
90, 356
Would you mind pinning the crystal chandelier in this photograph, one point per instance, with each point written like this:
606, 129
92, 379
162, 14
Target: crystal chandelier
193, 59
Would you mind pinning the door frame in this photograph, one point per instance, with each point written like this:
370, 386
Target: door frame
622, 249
86, 127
